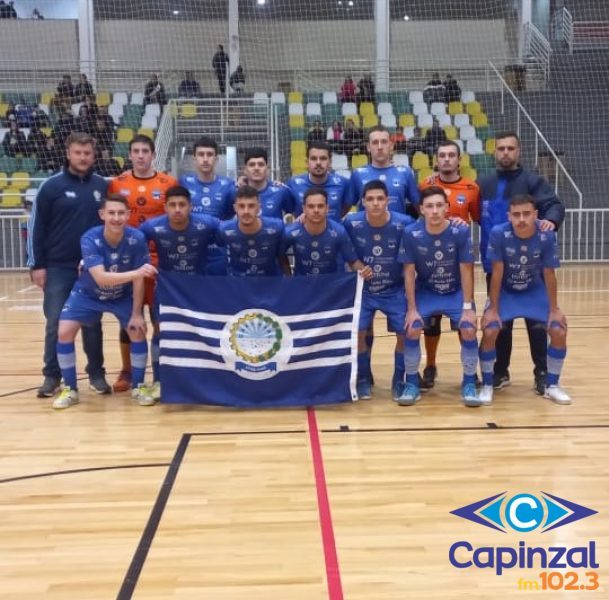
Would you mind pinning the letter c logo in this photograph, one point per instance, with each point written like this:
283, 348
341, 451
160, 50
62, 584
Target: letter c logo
524, 512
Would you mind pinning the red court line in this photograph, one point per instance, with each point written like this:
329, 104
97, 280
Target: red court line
335, 589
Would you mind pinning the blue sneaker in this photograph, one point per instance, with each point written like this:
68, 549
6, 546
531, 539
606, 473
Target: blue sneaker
363, 390
397, 387
469, 395
410, 395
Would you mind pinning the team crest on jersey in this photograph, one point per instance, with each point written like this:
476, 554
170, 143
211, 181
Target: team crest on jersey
124, 192
377, 251
314, 244
97, 195
397, 183
256, 344
460, 199
438, 255
157, 194
131, 241
205, 201
376, 237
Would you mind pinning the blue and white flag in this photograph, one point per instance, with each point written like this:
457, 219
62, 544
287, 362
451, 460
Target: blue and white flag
259, 341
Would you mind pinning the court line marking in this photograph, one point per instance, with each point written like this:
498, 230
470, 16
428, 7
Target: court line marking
141, 552
487, 427
335, 590
29, 288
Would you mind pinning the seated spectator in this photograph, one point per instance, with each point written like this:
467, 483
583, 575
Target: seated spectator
237, 80
91, 105
102, 114
434, 136
334, 135
353, 139
415, 143
83, 121
40, 118
10, 114
106, 165
453, 91
14, 141
366, 91
24, 113
154, 92
399, 141
103, 134
316, 133
64, 125
189, 86
37, 141
65, 89
347, 90
82, 89
52, 158
434, 91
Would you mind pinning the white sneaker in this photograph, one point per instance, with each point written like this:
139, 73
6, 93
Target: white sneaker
485, 395
68, 397
142, 394
155, 390
557, 395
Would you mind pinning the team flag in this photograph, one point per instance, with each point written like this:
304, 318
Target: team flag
259, 341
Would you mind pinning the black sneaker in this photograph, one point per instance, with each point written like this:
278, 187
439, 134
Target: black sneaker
501, 381
99, 385
540, 384
49, 386
428, 380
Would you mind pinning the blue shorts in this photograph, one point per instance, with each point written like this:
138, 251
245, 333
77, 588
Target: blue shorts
82, 308
431, 306
393, 306
532, 304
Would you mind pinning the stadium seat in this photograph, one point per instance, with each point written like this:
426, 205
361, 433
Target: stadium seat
8, 164
489, 146
313, 109
473, 108
469, 173
359, 160
451, 132
474, 146
298, 164
483, 162
48, 131
151, 122
401, 160
120, 98
464, 160
29, 164
296, 121
121, 149
437, 108
420, 160
370, 121
329, 98
444, 120
153, 109
38, 177
76, 108
415, 96
366, 108
298, 133
479, 120
30, 195
116, 111
349, 108
467, 132
44, 108
460, 144
454, 108
124, 135
339, 161
298, 148
406, 120
355, 118
408, 131
103, 99
330, 112
12, 198
295, 108
384, 108
424, 120
295, 98
137, 98
187, 111
120, 160
460, 119
467, 96
346, 173
389, 121
3, 180
261, 98
3, 109
46, 97
277, 98
423, 174
146, 131
420, 108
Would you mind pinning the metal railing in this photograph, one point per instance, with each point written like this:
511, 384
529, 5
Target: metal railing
537, 49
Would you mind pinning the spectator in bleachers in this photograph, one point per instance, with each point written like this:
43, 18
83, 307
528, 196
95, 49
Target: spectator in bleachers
82, 89
40, 118
63, 126
219, 63
353, 139
316, 133
398, 139
154, 92
14, 141
366, 90
347, 90
434, 136
52, 157
65, 89
103, 133
91, 105
106, 165
9, 115
36, 140
415, 143
189, 87
434, 91
237, 80
24, 111
453, 90
334, 136
84, 121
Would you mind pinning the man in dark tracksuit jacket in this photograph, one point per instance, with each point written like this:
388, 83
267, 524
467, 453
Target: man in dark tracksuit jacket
496, 190
66, 206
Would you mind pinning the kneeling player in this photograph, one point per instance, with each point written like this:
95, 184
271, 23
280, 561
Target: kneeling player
439, 279
523, 284
115, 257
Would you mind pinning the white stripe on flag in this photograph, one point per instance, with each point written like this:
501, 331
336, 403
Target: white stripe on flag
188, 345
186, 327
201, 363
332, 345
357, 307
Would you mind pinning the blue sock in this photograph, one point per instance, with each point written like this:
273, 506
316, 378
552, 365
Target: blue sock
469, 360
398, 366
66, 356
154, 357
139, 357
412, 360
556, 359
487, 362
363, 366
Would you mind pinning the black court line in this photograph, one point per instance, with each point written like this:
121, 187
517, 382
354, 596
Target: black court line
268, 432
487, 427
86, 470
139, 558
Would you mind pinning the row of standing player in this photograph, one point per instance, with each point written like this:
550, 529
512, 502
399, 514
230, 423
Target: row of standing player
211, 194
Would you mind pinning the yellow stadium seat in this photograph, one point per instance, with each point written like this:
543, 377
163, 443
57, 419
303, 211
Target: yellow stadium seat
48, 131
420, 160
359, 160
298, 148
464, 161
124, 135
146, 131
298, 164
188, 111
20, 180
423, 174
3, 109
469, 173
370, 121
103, 99
489, 146
46, 97
366, 108
297, 121
12, 198
356, 120
479, 120
295, 98
406, 120
455, 108
3, 180
120, 160
451, 132
473, 108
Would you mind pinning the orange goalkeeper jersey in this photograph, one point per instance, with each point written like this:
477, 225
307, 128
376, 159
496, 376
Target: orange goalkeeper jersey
463, 196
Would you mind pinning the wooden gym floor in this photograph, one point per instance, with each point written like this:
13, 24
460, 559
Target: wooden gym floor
112, 500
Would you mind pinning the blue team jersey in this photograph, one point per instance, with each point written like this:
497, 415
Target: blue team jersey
182, 251
336, 186
252, 255
130, 254
400, 182
381, 248
437, 257
523, 259
215, 198
318, 254
275, 201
